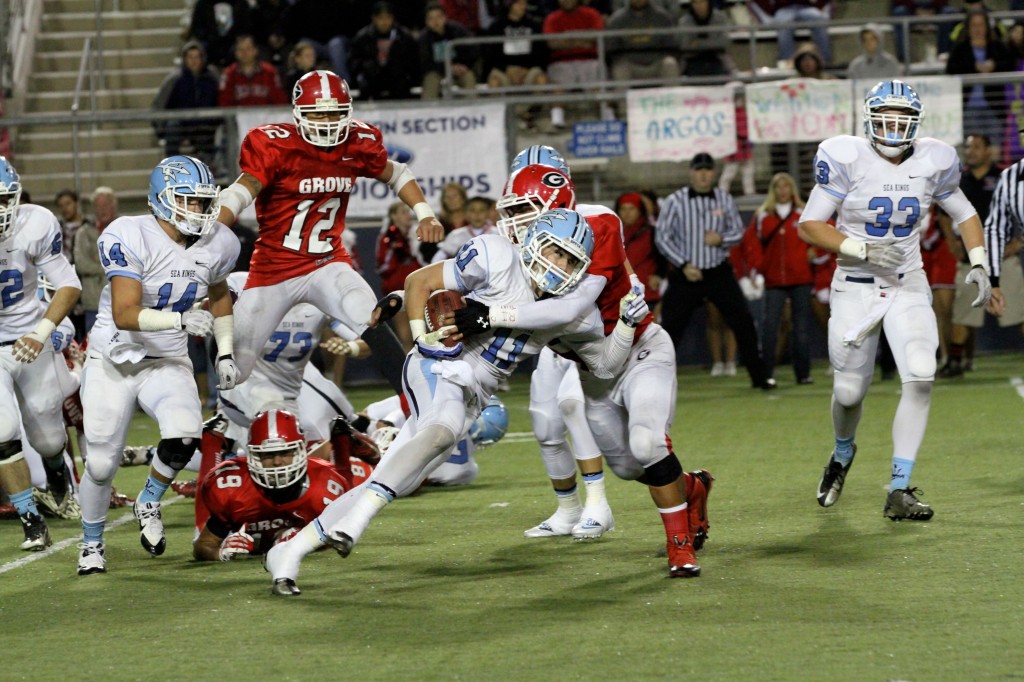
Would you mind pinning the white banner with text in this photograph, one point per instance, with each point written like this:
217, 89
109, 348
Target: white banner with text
674, 124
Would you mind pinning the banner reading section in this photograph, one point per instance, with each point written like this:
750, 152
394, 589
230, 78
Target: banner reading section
462, 144
799, 110
673, 124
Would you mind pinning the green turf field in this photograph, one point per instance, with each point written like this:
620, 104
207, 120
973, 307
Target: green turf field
444, 586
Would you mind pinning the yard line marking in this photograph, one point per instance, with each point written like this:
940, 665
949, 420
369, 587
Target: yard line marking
1018, 384
64, 544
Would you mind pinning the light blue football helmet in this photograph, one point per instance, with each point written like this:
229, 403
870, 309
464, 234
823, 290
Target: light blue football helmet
569, 232
183, 192
492, 424
892, 132
540, 155
10, 197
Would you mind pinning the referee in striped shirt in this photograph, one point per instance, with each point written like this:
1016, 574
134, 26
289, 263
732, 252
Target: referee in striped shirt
1005, 218
697, 227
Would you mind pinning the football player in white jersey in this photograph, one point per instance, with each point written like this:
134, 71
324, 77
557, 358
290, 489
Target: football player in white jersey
448, 386
881, 186
158, 266
30, 393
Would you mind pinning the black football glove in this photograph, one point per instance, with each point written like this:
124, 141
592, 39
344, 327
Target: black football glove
473, 319
390, 305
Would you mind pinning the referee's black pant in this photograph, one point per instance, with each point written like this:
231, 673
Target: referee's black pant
721, 288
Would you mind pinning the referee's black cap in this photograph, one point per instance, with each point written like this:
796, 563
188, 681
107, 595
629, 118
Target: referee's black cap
702, 160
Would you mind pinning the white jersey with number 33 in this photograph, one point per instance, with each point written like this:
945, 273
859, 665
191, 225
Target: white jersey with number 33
879, 201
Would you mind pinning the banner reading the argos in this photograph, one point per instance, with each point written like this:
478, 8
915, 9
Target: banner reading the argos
799, 110
674, 124
464, 144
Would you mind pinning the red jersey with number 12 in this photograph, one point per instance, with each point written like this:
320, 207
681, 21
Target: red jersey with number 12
306, 190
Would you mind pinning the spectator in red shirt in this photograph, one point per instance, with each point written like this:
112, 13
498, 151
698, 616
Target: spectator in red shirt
638, 237
573, 61
250, 81
397, 258
781, 256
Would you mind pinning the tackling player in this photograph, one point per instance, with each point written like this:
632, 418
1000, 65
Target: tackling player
301, 176
447, 386
881, 186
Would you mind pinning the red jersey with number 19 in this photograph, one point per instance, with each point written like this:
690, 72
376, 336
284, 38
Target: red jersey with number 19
233, 498
306, 189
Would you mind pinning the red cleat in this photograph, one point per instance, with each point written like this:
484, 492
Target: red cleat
119, 501
7, 511
185, 488
682, 561
698, 486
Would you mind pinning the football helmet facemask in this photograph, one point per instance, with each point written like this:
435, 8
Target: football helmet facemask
529, 192
892, 117
10, 197
276, 432
322, 93
183, 192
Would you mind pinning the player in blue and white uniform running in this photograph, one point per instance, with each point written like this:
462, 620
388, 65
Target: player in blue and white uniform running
30, 390
881, 186
158, 266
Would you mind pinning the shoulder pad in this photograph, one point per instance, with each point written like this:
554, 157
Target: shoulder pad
843, 148
936, 153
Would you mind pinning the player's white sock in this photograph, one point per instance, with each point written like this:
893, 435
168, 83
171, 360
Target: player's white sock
374, 498
908, 427
594, 485
845, 419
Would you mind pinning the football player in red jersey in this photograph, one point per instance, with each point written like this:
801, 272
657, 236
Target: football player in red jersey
252, 503
301, 176
630, 419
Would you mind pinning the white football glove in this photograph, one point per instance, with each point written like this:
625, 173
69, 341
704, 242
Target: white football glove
633, 307
979, 277
235, 545
228, 372
885, 256
197, 322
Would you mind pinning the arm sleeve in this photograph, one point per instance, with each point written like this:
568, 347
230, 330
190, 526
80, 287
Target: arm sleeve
957, 205
733, 231
667, 233
553, 312
1002, 217
821, 205
469, 270
48, 251
605, 357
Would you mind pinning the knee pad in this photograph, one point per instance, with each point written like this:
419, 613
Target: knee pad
849, 389
559, 462
644, 446
624, 466
10, 452
920, 361
176, 452
663, 472
101, 469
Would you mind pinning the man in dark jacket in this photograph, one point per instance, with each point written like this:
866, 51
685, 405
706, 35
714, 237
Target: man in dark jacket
439, 30
193, 86
384, 61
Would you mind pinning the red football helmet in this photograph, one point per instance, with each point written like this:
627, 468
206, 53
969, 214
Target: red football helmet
322, 92
530, 191
276, 433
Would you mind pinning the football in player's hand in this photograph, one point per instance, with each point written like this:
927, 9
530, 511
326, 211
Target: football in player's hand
441, 303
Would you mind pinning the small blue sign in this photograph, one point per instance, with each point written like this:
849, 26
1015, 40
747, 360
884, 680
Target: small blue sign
598, 138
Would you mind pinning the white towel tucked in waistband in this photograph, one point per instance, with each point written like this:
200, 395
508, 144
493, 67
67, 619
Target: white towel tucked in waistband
885, 292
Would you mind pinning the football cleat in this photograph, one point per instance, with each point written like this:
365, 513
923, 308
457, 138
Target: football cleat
698, 486
559, 523
67, 508
151, 527
185, 488
37, 535
137, 455
902, 503
594, 523
682, 562
341, 541
285, 587
831, 484
91, 558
